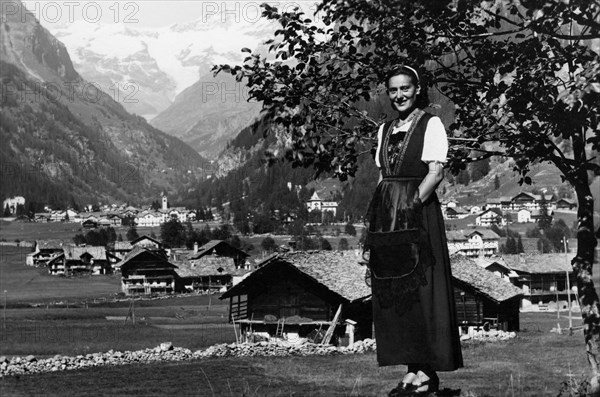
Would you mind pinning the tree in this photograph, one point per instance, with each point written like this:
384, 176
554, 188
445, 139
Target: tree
479, 169
545, 220
511, 246
20, 210
132, 233
79, 239
463, 177
325, 244
520, 248
268, 244
349, 229
556, 233
172, 233
235, 241
522, 77
496, 182
496, 229
343, 244
6, 211
263, 224
544, 245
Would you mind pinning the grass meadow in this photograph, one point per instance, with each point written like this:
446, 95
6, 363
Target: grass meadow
536, 363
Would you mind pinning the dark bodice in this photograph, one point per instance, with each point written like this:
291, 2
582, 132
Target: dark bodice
400, 154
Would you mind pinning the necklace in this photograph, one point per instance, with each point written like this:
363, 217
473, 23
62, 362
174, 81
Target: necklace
399, 123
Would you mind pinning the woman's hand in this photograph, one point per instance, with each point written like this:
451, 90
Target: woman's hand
431, 180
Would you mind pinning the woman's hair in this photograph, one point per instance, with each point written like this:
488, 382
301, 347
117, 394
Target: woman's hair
422, 98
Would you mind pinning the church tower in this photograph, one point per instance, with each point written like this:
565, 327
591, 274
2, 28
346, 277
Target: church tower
164, 202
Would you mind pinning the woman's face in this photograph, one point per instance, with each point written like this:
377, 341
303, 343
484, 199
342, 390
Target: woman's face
403, 92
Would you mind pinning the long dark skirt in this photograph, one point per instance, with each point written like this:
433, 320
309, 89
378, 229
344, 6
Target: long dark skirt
413, 300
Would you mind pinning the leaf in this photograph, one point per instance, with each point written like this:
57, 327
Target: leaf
246, 49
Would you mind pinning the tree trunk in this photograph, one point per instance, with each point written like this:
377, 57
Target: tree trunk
582, 266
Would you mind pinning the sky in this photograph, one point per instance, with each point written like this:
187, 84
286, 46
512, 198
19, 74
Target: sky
151, 13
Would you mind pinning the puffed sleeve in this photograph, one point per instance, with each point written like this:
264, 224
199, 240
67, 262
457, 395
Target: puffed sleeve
379, 139
435, 144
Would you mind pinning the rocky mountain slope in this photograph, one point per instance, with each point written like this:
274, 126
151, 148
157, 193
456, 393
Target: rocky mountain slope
208, 114
65, 140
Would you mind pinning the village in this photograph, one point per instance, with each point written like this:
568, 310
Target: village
294, 293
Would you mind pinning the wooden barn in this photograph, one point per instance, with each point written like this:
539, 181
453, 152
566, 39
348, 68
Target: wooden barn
482, 298
223, 249
145, 271
298, 293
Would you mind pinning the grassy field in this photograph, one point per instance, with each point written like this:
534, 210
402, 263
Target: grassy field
534, 364
27, 284
30, 231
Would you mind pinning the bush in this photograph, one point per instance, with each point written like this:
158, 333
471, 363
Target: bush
343, 244
349, 229
325, 245
268, 244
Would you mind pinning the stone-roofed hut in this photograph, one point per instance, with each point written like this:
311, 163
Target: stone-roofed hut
543, 279
147, 242
121, 248
303, 291
222, 248
207, 273
482, 297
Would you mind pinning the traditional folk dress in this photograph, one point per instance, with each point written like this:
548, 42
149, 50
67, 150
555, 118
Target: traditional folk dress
410, 275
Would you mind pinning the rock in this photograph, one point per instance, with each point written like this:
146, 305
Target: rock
166, 346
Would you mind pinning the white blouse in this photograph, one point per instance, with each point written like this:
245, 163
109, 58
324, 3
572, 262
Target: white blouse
435, 142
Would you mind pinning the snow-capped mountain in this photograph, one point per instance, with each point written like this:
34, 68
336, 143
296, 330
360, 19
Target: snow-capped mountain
145, 68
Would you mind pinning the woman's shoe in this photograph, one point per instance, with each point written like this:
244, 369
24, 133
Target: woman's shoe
427, 386
405, 387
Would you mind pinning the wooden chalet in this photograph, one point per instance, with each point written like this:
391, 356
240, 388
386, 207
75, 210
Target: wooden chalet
473, 242
543, 280
146, 271
81, 260
456, 213
482, 298
566, 203
491, 216
90, 223
300, 292
223, 249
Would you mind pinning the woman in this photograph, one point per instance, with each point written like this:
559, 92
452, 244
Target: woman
413, 300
